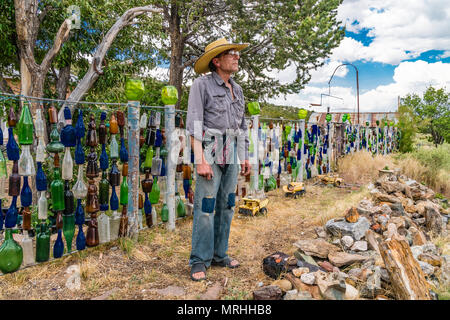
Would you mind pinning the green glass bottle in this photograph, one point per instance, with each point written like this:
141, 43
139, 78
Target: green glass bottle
43, 243
181, 210
57, 191
148, 158
124, 191
165, 213
69, 229
104, 189
11, 253
25, 126
154, 194
55, 146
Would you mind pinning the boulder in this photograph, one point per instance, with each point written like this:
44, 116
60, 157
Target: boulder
397, 209
321, 232
340, 259
372, 287
316, 247
421, 206
352, 215
418, 238
382, 197
342, 228
392, 186
359, 246
347, 241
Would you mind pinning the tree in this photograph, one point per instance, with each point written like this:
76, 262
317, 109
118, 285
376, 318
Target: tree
432, 113
298, 34
407, 123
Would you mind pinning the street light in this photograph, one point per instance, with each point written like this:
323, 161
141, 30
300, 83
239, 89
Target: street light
357, 83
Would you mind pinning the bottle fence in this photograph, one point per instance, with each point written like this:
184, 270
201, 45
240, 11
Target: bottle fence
134, 169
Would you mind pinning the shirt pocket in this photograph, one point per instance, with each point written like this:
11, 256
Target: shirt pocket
217, 117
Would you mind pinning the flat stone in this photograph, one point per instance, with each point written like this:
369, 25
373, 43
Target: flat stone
347, 241
329, 288
326, 265
308, 278
341, 228
359, 246
284, 285
299, 271
381, 197
268, 293
340, 259
304, 258
316, 247
295, 295
354, 273
170, 291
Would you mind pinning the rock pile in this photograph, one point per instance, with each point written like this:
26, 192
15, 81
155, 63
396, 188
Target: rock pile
380, 249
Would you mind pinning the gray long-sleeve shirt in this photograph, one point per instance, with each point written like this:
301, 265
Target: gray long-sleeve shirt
211, 106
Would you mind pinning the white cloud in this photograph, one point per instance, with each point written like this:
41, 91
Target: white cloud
409, 77
401, 30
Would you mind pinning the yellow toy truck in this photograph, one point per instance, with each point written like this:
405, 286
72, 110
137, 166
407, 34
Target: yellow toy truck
253, 206
294, 189
331, 179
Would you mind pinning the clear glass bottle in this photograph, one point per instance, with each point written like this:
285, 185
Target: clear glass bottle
67, 165
40, 150
42, 206
27, 247
79, 189
103, 228
39, 124
114, 225
26, 163
114, 148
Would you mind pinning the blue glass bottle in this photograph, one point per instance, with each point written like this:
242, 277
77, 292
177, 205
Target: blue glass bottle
41, 179
58, 247
147, 205
80, 129
79, 152
103, 159
68, 133
81, 239
79, 213
114, 200
123, 153
186, 187
12, 149
25, 194
12, 214
158, 139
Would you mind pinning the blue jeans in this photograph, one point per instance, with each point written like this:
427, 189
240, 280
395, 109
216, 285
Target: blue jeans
211, 230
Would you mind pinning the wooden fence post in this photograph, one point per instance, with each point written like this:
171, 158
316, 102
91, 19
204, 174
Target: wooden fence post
133, 171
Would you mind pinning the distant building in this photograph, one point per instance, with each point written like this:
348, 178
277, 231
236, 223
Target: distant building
371, 117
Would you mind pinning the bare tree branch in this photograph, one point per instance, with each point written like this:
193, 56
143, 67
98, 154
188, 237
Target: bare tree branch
60, 38
4, 86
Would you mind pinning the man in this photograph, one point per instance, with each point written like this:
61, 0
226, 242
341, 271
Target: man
215, 121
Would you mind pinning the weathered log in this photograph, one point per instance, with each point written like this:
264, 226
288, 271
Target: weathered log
407, 278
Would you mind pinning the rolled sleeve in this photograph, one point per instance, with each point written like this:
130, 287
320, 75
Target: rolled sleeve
194, 118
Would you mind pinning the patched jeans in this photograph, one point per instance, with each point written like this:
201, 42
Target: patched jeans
214, 202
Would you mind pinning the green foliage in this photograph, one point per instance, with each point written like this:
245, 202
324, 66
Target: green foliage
407, 124
432, 113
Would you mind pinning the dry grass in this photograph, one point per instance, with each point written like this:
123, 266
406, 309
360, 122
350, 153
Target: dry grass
160, 258
361, 167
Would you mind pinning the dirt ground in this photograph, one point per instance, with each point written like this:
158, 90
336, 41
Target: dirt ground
156, 266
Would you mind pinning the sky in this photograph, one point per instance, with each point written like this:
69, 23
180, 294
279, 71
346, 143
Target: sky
398, 47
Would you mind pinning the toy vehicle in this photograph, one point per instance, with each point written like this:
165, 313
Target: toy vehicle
253, 206
294, 189
331, 179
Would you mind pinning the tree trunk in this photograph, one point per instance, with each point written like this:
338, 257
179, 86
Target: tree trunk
407, 278
62, 82
176, 56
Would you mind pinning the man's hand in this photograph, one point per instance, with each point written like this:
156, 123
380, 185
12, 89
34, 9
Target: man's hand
205, 170
245, 168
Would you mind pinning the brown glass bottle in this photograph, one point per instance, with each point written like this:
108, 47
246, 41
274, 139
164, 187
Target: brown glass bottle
187, 172
92, 169
92, 204
12, 118
113, 126
52, 114
102, 132
179, 167
125, 169
140, 201
278, 181
147, 183
289, 168
91, 137
59, 220
92, 238
14, 180
26, 218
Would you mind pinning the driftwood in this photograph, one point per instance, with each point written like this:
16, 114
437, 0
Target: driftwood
407, 278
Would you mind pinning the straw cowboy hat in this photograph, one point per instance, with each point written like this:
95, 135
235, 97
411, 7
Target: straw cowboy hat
212, 50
